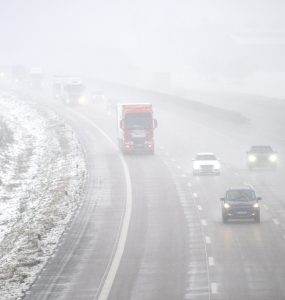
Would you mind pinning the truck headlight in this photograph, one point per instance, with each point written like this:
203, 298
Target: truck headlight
251, 158
226, 205
82, 100
255, 205
273, 157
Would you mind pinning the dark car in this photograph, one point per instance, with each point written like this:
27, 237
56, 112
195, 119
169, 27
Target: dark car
261, 156
240, 203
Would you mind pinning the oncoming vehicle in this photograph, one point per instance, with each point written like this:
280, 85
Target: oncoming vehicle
98, 96
69, 90
206, 163
136, 127
74, 92
240, 203
261, 156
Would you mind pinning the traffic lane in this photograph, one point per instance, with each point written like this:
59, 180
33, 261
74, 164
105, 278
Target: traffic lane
229, 178
79, 266
201, 140
269, 184
195, 273
229, 271
184, 138
247, 266
155, 258
154, 262
244, 267
178, 135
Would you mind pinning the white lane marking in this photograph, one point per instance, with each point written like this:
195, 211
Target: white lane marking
197, 294
195, 195
178, 167
189, 184
173, 160
203, 222
214, 288
207, 240
120, 247
199, 207
196, 272
211, 261
276, 221
105, 291
184, 175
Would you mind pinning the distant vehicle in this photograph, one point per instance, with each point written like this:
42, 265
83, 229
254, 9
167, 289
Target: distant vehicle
98, 96
70, 90
261, 156
136, 127
206, 163
240, 203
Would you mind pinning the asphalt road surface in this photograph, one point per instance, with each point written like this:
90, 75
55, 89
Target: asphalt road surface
149, 229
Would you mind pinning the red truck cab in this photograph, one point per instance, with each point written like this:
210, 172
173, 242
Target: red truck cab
136, 127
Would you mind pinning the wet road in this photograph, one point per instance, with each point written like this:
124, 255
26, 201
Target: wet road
176, 246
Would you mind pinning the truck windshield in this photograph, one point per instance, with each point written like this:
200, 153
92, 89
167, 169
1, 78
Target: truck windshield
74, 88
138, 121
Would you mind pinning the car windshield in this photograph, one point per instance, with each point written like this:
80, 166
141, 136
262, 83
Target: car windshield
241, 195
261, 149
205, 157
138, 121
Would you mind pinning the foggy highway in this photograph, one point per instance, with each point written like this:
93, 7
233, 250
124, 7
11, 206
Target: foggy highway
84, 218
174, 246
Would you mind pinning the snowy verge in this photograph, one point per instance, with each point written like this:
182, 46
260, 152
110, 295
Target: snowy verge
41, 178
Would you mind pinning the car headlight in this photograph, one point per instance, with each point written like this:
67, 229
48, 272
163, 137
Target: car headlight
226, 205
273, 157
251, 158
255, 205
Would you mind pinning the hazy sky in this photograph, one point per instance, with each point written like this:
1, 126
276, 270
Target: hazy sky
150, 34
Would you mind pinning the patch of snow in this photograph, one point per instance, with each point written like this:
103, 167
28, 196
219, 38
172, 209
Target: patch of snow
41, 177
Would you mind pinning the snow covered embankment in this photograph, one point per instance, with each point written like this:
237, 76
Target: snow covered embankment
41, 177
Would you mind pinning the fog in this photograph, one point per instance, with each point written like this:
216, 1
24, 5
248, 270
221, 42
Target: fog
198, 44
